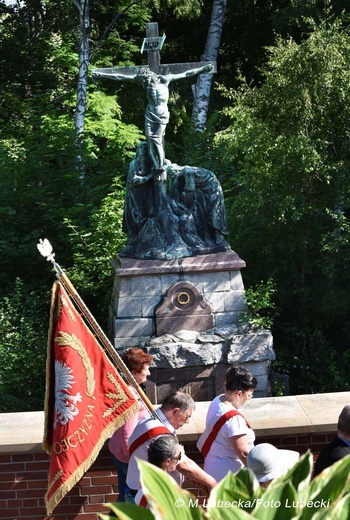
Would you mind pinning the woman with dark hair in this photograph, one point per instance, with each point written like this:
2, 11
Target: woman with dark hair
164, 452
138, 363
228, 437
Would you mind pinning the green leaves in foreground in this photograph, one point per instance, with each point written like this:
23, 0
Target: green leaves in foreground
239, 496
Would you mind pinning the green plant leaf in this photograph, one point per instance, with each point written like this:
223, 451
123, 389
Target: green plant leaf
299, 475
240, 488
330, 485
165, 498
277, 502
126, 511
228, 511
338, 511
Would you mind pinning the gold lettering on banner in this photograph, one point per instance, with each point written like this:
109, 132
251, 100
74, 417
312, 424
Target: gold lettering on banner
78, 432
90, 415
70, 340
77, 437
70, 442
119, 396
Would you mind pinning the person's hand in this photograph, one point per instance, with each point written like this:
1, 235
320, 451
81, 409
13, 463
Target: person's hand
161, 174
205, 489
209, 67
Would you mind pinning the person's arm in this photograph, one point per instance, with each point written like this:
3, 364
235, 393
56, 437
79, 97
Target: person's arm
240, 445
190, 470
96, 74
139, 179
192, 72
128, 428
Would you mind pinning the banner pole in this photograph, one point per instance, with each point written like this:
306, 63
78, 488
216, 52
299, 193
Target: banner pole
46, 250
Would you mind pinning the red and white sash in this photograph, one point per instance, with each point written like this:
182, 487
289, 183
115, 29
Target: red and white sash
149, 434
209, 435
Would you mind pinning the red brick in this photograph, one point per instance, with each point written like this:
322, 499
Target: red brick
32, 502
37, 466
75, 491
289, 441
10, 513
112, 498
32, 475
304, 439
302, 448
77, 500
37, 484
98, 508
13, 485
37, 493
6, 495
13, 503
87, 516
319, 437
42, 456
96, 490
33, 513
5, 458
107, 480
10, 469
23, 457
85, 481
100, 473
62, 509
97, 499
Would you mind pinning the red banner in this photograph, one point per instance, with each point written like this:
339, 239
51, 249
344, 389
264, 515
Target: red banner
86, 399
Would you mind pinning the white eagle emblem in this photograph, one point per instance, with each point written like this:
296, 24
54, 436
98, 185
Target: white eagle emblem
65, 403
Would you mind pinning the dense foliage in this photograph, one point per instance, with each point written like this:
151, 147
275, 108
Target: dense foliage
277, 137
289, 202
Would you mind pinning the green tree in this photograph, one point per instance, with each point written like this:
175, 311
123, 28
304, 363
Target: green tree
288, 193
23, 334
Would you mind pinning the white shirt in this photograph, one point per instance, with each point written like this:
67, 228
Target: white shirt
133, 475
222, 445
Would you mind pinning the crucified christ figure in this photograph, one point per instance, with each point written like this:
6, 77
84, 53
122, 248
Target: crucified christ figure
157, 112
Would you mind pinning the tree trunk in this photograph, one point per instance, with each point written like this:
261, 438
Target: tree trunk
202, 88
80, 109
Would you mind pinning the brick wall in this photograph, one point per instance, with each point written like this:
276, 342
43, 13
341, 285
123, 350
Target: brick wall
23, 481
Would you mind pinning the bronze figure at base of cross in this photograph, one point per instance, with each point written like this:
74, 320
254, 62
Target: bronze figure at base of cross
170, 211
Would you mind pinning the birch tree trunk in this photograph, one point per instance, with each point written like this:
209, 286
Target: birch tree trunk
80, 108
201, 90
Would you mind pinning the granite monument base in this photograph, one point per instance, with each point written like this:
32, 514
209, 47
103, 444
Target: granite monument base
187, 314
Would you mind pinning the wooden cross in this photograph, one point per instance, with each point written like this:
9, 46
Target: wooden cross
153, 59
155, 79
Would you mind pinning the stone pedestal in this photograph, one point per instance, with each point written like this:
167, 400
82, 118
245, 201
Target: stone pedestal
186, 314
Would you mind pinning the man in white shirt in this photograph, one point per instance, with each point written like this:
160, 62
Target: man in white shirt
176, 410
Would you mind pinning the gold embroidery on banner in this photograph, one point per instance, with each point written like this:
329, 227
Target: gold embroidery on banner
119, 397
68, 307
72, 341
60, 305
52, 482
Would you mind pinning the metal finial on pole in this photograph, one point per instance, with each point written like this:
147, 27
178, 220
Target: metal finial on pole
45, 249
